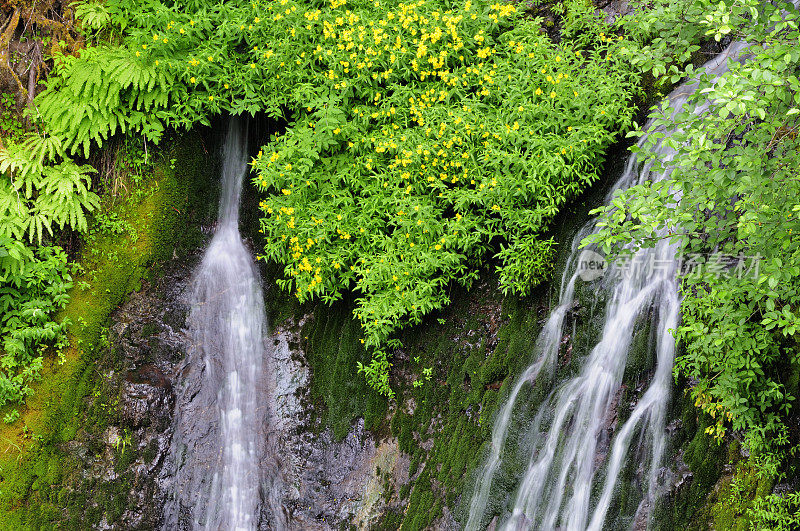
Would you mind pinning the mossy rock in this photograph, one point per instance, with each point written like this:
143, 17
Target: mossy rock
40, 484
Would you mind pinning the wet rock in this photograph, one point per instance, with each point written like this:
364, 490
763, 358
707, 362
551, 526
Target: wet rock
447, 521
122, 464
613, 9
147, 398
310, 479
326, 484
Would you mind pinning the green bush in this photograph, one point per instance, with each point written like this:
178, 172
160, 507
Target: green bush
424, 138
730, 205
29, 303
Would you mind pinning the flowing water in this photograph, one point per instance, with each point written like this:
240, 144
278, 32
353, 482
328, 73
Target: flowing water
570, 480
220, 413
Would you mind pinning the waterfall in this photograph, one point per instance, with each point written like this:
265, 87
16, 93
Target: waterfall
217, 444
569, 483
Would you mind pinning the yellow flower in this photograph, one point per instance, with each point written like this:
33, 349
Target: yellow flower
192, 80
211, 98
211, 58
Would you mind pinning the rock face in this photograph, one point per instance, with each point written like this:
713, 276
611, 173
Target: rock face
148, 341
117, 455
311, 480
325, 483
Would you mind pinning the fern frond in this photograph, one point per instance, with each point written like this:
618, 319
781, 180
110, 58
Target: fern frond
92, 14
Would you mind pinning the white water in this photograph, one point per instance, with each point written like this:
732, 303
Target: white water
221, 412
569, 481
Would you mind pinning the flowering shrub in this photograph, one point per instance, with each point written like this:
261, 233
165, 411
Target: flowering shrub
426, 137
423, 137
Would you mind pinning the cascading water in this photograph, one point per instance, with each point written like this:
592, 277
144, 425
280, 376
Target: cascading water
569, 482
220, 413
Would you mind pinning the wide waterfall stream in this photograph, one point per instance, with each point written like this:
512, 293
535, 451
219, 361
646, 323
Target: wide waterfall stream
217, 446
570, 481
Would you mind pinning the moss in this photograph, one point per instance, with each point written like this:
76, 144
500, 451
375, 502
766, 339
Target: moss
689, 506
475, 349
40, 484
333, 348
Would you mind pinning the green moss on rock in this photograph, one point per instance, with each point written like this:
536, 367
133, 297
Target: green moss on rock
41, 486
475, 349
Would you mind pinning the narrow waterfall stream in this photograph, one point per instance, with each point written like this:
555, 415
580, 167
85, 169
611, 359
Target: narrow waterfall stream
217, 445
570, 482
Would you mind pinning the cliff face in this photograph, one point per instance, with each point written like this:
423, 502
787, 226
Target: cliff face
342, 455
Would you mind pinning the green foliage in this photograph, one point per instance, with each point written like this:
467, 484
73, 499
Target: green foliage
669, 33
29, 303
106, 90
776, 512
422, 136
35, 195
420, 143
733, 190
526, 263
11, 417
10, 125
92, 14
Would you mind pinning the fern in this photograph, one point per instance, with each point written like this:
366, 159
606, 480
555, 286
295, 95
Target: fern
104, 91
34, 196
33, 288
14, 254
93, 15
